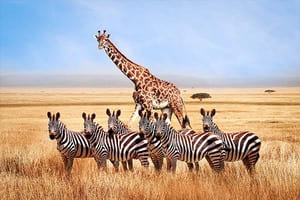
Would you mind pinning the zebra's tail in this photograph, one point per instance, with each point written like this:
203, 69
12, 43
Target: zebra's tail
186, 121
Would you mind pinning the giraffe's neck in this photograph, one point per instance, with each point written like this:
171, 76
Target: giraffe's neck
133, 71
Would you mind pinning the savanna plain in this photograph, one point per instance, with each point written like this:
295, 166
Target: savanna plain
31, 167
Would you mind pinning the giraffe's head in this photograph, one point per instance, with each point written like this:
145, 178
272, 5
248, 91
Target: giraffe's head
207, 119
53, 125
89, 124
101, 39
113, 120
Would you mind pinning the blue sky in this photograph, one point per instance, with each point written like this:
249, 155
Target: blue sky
209, 40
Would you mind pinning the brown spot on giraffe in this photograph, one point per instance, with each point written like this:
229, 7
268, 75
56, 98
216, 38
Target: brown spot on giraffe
150, 91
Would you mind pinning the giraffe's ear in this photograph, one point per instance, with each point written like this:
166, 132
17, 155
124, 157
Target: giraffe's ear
156, 116
202, 111
108, 112
49, 115
84, 116
213, 112
93, 116
118, 113
165, 116
57, 116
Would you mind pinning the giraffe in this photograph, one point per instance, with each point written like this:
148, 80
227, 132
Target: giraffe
150, 92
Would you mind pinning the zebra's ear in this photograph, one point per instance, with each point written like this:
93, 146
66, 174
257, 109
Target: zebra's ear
49, 115
156, 116
57, 116
118, 113
140, 113
108, 112
165, 116
84, 115
148, 114
202, 111
213, 112
93, 116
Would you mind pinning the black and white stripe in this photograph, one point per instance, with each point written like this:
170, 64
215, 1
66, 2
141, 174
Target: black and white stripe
242, 145
189, 148
70, 144
121, 147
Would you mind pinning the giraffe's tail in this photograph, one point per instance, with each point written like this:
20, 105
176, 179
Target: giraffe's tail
186, 121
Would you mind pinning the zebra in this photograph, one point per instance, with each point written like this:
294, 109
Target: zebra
147, 127
188, 148
116, 126
70, 144
242, 145
114, 147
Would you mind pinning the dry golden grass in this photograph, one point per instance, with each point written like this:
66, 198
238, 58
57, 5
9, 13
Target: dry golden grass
31, 168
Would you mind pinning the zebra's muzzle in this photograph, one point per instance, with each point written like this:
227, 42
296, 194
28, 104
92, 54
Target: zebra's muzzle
52, 137
206, 128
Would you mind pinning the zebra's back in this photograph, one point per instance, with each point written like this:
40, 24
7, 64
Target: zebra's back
241, 144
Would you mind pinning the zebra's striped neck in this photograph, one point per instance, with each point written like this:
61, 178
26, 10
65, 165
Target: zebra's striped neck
62, 132
121, 128
215, 129
151, 132
168, 136
97, 133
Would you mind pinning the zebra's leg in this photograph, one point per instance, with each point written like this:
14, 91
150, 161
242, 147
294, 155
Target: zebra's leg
197, 166
124, 164
130, 164
190, 166
69, 165
168, 164
64, 158
102, 163
174, 164
250, 162
215, 161
115, 164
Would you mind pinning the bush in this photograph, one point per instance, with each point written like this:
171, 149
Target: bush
200, 96
269, 91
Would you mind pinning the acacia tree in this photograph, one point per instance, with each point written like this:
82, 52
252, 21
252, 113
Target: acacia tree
270, 91
200, 96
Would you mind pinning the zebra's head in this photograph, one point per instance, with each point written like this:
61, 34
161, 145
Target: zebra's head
113, 121
53, 125
89, 124
207, 119
101, 39
145, 123
161, 125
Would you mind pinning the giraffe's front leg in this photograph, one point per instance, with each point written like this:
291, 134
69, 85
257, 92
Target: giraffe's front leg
135, 114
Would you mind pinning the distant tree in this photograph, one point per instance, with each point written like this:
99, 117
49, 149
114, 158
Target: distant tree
270, 91
200, 96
